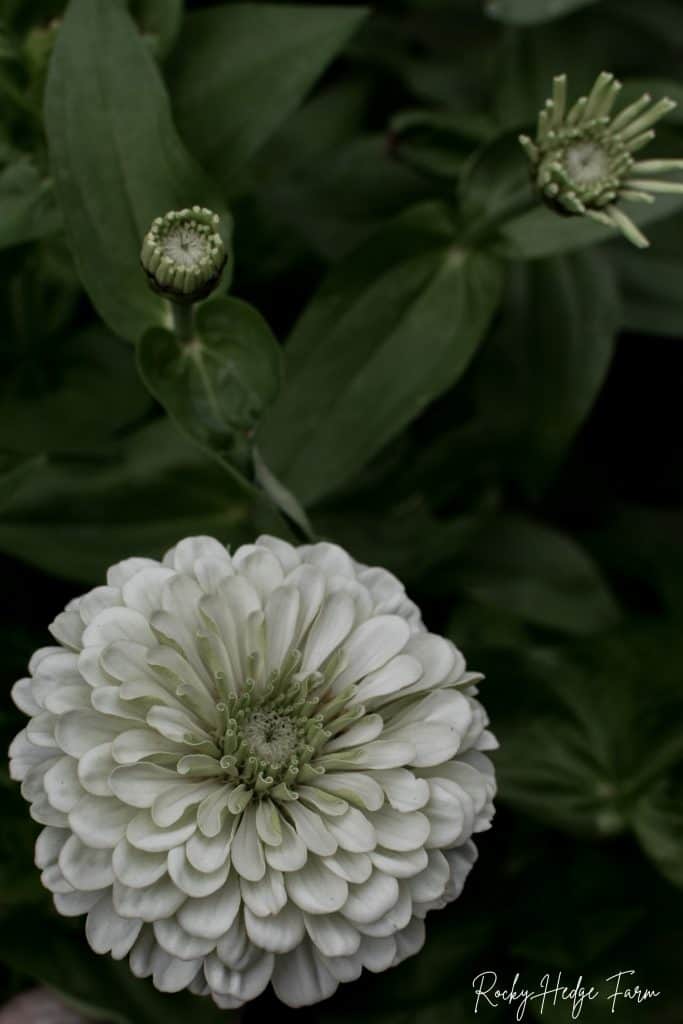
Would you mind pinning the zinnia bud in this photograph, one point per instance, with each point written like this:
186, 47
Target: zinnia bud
583, 157
183, 254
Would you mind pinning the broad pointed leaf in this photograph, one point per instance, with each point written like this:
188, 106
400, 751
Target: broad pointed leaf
241, 69
394, 326
217, 385
116, 158
547, 360
541, 575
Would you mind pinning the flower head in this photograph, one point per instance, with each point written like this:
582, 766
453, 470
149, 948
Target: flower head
583, 158
183, 254
252, 768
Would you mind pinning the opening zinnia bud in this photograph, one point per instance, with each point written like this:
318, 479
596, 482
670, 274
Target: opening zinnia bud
583, 157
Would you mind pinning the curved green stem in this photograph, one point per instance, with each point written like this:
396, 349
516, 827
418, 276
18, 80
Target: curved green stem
183, 320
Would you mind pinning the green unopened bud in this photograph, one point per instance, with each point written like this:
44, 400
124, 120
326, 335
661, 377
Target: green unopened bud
183, 254
583, 158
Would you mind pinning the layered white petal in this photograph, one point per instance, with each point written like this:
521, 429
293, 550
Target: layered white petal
107, 932
301, 977
315, 889
252, 767
211, 916
278, 933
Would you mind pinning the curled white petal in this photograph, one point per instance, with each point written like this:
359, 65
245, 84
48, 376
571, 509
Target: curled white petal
252, 768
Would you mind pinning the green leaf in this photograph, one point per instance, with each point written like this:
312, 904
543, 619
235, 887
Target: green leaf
579, 46
435, 143
545, 364
394, 326
651, 285
71, 398
558, 743
15, 472
657, 821
75, 517
217, 385
548, 770
40, 294
531, 12
404, 537
159, 22
27, 204
541, 232
333, 116
495, 186
585, 744
416, 50
242, 69
539, 574
116, 158
334, 200
656, 561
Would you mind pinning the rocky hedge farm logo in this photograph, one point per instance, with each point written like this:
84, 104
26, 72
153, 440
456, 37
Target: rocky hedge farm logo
619, 990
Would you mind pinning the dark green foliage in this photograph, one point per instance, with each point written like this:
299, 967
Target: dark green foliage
218, 386
417, 361
116, 157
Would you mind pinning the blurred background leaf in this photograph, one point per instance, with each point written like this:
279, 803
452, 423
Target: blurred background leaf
531, 12
544, 365
657, 820
159, 22
79, 394
27, 206
359, 369
241, 69
80, 514
652, 288
538, 575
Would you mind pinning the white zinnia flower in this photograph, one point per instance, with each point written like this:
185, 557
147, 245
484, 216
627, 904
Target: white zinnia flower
252, 768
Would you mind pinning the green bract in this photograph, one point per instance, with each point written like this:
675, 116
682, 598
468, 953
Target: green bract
583, 158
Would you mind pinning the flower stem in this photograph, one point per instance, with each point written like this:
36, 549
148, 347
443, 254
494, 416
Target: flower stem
183, 320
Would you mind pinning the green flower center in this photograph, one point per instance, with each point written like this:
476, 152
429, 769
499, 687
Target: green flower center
183, 253
186, 244
586, 163
271, 733
583, 168
271, 737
